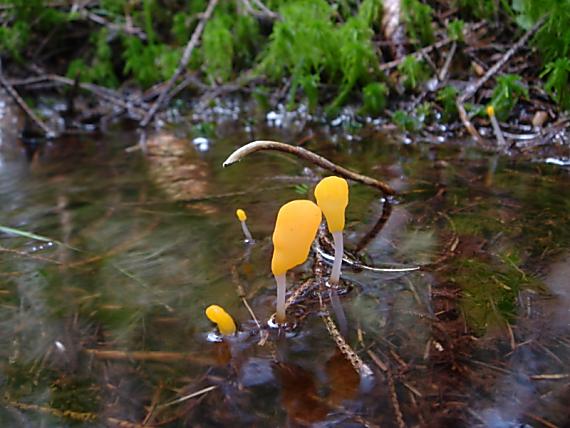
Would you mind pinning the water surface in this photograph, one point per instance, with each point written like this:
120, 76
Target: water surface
104, 325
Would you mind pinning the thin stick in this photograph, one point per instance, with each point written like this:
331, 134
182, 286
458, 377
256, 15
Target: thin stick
73, 415
30, 256
472, 89
156, 356
445, 69
363, 370
551, 376
420, 53
183, 63
242, 295
105, 94
394, 398
48, 132
357, 265
98, 19
307, 155
372, 233
353, 358
189, 396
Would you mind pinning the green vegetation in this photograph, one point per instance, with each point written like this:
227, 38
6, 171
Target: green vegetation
506, 94
324, 52
412, 72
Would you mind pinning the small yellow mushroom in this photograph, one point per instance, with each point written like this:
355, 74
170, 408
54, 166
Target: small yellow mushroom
332, 197
496, 127
222, 319
242, 217
295, 230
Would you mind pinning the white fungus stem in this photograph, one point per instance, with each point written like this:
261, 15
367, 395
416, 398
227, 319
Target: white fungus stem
338, 254
246, 232
498, 133
281, 289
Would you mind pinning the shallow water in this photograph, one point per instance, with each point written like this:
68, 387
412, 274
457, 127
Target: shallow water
105, 321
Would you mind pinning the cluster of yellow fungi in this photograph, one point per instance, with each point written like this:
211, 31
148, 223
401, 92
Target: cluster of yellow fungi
295, 230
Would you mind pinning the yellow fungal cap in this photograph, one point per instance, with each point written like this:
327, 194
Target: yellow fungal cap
332, 196
295, 229
490, 111
241, 215
222, 319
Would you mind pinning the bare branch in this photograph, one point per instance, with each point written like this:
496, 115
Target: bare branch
302, 153
182, 65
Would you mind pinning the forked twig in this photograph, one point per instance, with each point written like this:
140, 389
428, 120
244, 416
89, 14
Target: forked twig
48, 132
307, 155
192, 43
472, 89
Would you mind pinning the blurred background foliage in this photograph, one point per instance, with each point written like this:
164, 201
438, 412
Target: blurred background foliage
324, 52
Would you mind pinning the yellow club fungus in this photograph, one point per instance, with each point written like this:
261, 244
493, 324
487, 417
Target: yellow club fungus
295, 230
332, 197
242, 217
222, 319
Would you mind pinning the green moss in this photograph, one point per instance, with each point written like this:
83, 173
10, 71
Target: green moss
507, 92
489, 290
418, 20
412, 72
326, 51
374, 98
447, 97
218, 48
307, 45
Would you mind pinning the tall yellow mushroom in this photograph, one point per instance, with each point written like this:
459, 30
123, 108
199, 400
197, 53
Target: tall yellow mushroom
332, 197
295, 230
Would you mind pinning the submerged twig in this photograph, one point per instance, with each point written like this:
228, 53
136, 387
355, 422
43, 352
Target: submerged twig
377, 228
157, 356
307, 155
357, 265
385, 367
353, 358
242, 295
188, 397
76, 416
28, 255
